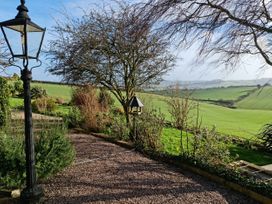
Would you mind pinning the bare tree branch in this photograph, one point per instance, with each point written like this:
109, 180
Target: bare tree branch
229, 28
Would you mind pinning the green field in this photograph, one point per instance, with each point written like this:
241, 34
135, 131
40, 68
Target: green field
261, 99
237, 122
242, 123
230, 93
56, 90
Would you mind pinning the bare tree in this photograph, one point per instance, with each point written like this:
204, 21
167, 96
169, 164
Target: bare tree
111, 48
230, 28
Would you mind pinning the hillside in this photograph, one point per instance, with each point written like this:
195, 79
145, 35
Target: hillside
239, 122
214, 83
260, 100
229, 93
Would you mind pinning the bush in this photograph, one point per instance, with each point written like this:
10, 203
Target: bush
266, 137
94, 117
12, 160
35, 91
118, 128
149, 130
211, 147
18, 87
105, 100
74, 118
44, 105
60, 101
53, 152
38, 92
4, 101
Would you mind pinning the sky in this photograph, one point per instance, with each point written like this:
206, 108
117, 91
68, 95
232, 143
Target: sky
44, 13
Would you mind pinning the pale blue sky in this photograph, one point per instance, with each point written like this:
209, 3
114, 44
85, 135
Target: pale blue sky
43, 12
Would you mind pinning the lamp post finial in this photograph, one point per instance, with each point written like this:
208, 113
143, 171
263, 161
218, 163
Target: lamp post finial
22, 11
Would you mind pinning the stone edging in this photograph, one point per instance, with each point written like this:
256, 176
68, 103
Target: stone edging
236, 187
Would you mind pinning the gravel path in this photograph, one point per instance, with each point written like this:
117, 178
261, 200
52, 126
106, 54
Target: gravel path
106, 173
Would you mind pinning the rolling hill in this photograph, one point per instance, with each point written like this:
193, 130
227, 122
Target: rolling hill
259, 100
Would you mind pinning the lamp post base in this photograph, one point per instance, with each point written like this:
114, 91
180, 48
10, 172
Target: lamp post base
31, 195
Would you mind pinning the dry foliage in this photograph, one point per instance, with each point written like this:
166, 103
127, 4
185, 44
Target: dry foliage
85, 98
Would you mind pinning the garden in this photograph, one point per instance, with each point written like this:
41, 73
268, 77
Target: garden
112, 55
173, 129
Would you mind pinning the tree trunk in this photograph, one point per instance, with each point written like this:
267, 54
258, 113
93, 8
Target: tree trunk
181, 142
126, 110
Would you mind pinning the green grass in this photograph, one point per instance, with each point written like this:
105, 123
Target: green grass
243, 123
171, 144
237, 122
260, 99
16, 103
229, 93
56, 90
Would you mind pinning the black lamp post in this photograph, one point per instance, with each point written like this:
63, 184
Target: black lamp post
135, 109
24, 39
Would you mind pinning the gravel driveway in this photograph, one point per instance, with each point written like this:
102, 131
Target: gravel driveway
106, 173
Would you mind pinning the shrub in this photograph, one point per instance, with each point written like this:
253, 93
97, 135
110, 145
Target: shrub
44, 104
38, 92
118, 128
105, 100
12, 160
4, 101
18, 87
60, 101
266, 137
53, 153
149, 130
211, 148
74, 118
85, 98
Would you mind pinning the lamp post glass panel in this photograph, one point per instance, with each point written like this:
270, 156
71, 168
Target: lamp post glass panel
24, 39
135, 109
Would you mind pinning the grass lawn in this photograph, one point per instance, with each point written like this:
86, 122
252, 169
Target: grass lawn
237, 122
56, 90
171, 144
16, 103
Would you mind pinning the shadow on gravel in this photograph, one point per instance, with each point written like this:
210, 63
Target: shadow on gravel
121, 176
